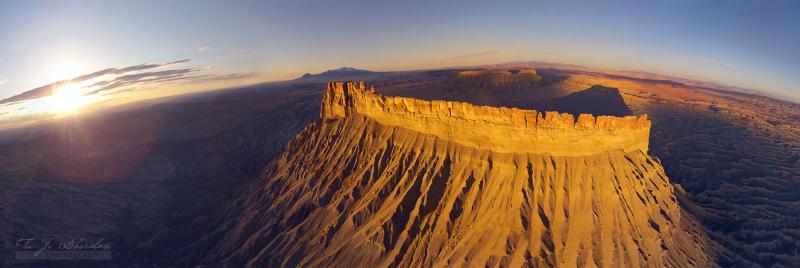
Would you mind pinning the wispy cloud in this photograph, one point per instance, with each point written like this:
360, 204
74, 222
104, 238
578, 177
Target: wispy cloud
201, 49
141, 78
111, 71
48, 89
111, 80
3, 81
220, 77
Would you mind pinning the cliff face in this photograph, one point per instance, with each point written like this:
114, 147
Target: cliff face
396, 182
509, 79
497, 129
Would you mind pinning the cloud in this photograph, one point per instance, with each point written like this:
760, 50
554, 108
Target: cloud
125, 70
48, 89
111, 80
3, 81
141, 78
177, 62
201, 49
220, 77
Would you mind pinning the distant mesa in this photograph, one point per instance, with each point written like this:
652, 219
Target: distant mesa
473, 81
514, 87
501, 75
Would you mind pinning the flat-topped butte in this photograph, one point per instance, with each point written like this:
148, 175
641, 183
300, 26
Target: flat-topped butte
499, 129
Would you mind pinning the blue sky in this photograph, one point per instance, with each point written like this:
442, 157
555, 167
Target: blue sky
752, 44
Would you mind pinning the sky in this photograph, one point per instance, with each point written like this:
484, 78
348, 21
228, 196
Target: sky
191, 45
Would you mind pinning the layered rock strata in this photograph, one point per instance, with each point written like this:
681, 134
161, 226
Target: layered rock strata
509, 79
500, 129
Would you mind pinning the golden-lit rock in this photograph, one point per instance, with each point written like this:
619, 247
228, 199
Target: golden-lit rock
400, 182
496, 129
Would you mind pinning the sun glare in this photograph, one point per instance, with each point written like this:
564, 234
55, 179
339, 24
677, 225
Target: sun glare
66, 99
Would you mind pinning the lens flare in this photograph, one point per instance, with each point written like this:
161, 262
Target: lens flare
66, 99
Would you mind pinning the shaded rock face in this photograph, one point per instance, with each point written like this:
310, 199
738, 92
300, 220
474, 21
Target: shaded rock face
351, 191
594, 100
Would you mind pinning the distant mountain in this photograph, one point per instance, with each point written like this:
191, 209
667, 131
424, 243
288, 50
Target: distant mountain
339, 72
344, 73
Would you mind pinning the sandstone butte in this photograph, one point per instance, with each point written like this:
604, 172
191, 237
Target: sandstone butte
497, 129
398, 182
476, 79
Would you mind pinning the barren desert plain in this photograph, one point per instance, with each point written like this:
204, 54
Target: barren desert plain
417, 169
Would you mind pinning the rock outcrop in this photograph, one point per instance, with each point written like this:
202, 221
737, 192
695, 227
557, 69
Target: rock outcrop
398, 182
488, 79
501, 129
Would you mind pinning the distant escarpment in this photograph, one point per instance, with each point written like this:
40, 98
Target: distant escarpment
486, 86
398, 182
524, 78
501, 129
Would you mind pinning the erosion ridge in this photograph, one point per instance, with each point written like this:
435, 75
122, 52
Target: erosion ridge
354, 192
505, 130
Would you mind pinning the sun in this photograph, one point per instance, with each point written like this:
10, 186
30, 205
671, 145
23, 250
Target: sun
66, 99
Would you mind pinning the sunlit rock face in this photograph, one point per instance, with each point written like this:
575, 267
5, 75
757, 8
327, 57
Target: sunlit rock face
399, 182
501, 129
